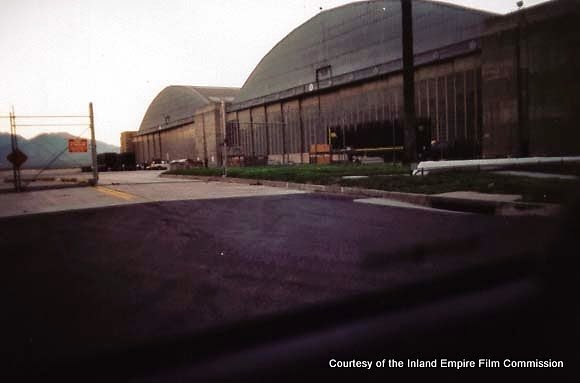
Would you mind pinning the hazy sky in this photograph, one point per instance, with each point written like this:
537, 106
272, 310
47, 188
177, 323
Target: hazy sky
57, 55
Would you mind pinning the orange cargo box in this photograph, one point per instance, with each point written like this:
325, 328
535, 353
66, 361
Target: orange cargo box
320, 148
323, 160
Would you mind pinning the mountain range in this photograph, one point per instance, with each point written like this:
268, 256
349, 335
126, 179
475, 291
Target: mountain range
44, 149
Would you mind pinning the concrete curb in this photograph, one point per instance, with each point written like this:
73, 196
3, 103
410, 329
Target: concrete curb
434, 201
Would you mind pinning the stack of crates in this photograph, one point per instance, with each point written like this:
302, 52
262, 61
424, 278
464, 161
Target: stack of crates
320, 154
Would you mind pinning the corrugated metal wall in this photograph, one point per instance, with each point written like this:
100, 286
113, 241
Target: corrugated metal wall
197, 141
448, 97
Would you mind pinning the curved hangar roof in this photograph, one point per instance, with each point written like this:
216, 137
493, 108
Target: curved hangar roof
175, 105
356, 37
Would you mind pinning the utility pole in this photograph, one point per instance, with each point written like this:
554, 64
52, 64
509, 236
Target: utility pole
522, 82
93, 145
408, 82
14, 143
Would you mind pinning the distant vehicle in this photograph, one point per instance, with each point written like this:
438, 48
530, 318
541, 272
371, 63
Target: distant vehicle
116, 161
157, 165
106, 161
185, 163
126, 161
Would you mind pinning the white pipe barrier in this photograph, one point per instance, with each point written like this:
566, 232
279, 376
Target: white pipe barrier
425, 167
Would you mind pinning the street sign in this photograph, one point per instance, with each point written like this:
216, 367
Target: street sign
17, 157
77, 145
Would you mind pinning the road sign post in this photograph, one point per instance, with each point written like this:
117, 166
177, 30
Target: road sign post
16, 157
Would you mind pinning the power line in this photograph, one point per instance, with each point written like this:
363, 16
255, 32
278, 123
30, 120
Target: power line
52, 125
56, 157
53, 116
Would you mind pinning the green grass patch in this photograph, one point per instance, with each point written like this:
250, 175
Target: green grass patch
315, 174
531, 189
397, 178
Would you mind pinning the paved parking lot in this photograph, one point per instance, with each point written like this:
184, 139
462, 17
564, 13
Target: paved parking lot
168, 258
94, 280
122, 188
135, 177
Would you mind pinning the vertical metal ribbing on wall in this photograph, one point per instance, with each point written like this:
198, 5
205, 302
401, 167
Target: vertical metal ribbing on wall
437, 124
390, 111
396, 111
267, 130
418, 99
236, 132
204, 140
160, 156
283, 125
465, 102
378, 97
252, 141
319, 127
455, 106
446, 109
224, 140
137, 150
343, 131
428, 99
159, 145
301, 130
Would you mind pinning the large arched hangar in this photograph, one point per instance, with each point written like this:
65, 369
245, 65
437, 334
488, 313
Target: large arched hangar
337, 78
183, 122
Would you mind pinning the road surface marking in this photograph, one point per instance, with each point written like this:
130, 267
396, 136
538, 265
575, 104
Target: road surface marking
116, 193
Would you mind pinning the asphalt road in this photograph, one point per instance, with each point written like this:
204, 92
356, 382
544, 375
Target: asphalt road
83, 281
